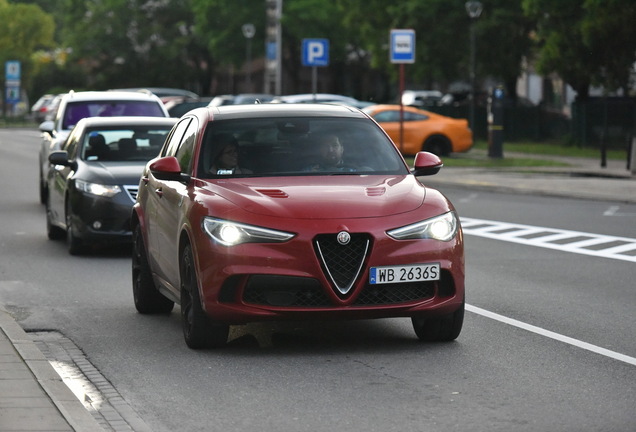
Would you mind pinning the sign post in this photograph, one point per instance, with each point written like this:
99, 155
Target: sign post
315, 52
12, 82
402, 52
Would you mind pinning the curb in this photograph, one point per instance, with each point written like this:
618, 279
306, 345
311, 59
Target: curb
70, 408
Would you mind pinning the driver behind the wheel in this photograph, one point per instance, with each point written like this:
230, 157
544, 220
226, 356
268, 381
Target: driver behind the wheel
330, 152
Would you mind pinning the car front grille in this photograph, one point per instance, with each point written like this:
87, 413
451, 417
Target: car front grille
131, 191
284, 291
342, 263
395, 293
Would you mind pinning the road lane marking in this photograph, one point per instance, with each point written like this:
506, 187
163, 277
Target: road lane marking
613, 247
552, 335
614, 211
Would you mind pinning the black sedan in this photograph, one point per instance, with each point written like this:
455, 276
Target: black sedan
93, 180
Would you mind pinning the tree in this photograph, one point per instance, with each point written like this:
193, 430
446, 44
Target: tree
608, 30
25, 28
504, 40
135, 43
585, 42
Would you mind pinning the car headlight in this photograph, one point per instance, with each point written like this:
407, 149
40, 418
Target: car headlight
443, 228
97, 189
230, 233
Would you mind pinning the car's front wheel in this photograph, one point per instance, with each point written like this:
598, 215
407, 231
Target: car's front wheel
443, 328
53, 232
148, 300
199, 330
73, 242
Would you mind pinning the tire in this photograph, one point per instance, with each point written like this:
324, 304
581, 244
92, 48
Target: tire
53, 232
74, 244
199, 331
439, 329
43, 191
437, 144
148, 300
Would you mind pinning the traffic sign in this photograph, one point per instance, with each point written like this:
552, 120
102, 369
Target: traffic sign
315, 52
12, 70
12, 95
402, 46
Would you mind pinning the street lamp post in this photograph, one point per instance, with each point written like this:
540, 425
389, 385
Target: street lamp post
474, 9
248, 32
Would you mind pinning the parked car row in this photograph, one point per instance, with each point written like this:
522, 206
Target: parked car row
253, 212
421, 129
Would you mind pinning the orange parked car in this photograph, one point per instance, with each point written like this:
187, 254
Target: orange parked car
423, 130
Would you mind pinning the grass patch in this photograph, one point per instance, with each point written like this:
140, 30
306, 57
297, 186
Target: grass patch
506, 162
553, 148
524, 155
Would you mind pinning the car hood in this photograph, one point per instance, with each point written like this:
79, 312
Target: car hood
122, 173
321, 197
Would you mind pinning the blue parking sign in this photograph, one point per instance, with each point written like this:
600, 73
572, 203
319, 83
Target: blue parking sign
315, 52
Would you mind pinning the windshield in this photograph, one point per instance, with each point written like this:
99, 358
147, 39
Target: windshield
297, 146
75, 111
131, 143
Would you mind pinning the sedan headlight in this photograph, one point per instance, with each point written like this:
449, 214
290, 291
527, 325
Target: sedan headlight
443, 227
97, 189
230, 233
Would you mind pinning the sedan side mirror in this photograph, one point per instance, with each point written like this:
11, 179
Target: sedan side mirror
168, 169
59, 157
426, 164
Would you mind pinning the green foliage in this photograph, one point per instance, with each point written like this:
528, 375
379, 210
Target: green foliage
129, 43
587, 42
25, 28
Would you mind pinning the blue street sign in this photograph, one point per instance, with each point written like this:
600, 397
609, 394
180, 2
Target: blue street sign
12, 70
12, 95
315, 52
402, 46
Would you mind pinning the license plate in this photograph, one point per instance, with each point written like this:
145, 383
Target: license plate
403, 274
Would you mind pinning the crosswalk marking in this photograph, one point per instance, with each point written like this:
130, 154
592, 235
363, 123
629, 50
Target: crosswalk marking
619, 248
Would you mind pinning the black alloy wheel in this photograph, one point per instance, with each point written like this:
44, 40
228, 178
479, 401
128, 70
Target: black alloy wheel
53, 232
148, 300
75, 244
199, 331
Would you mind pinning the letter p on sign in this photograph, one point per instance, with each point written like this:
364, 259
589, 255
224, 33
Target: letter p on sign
315, 52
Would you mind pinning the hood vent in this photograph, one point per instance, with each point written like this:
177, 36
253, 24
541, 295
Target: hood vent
273, 193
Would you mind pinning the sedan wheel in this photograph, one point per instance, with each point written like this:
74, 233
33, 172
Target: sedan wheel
148, 300
75, 244
53, 232
439, 329
198, 330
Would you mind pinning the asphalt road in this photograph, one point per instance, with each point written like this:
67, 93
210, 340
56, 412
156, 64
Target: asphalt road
548, 341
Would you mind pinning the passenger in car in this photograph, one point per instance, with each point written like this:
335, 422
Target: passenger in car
226, 161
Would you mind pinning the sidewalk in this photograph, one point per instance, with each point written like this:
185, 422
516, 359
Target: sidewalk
34, 398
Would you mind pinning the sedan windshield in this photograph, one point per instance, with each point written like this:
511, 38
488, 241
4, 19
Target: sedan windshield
132, 143
297, 146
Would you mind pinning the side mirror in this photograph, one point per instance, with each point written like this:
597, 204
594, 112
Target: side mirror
47, 126
167, 168
426, 164
59, 157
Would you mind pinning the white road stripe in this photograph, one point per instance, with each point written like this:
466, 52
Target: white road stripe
552, 335
552, 238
